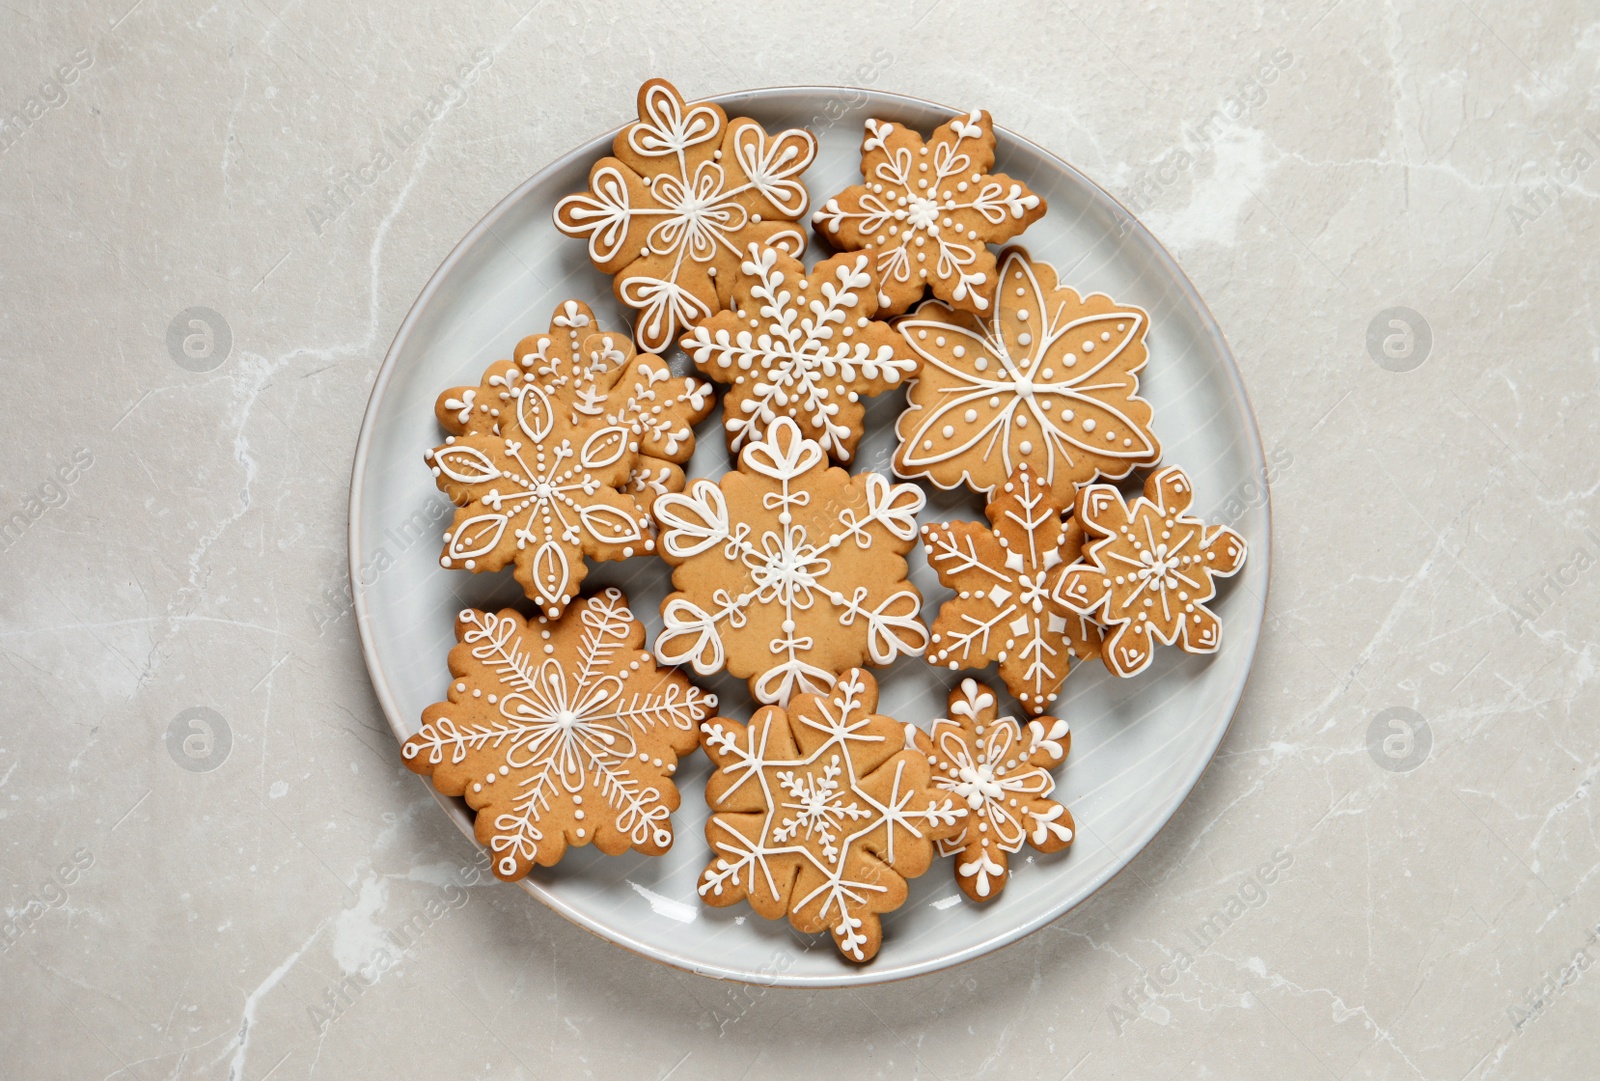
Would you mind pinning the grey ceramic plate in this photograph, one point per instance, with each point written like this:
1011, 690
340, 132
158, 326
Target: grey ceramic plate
1138, 745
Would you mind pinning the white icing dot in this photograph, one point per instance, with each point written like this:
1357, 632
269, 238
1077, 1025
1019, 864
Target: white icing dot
959, 351
970, 416
948, 431
1088, 424
1024, 339
1088, 346
1025, 447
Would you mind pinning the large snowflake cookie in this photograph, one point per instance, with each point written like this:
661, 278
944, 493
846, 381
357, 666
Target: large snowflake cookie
789, 571
1002, 772
560, 732
1046, 378
800, 345
820, 812
927, 210
1004, 609
586, 364
1148, 569
687, 192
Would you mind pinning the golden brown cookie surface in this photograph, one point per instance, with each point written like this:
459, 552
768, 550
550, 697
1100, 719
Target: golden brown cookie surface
1001, 770
673, 211
1046, 378
601, 377
820, 813
928, 210
1148, 568
560, 732
1003, 609
788, 571
801, 345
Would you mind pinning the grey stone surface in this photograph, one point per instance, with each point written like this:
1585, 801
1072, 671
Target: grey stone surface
205, 835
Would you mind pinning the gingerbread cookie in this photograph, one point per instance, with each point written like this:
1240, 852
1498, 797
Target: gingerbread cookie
658, 409
1147, 570
1003, 609
673, 212
1003, 775
927, 210
800, 345
1045, 378
789, 571
548, 489
821, 813
560, 732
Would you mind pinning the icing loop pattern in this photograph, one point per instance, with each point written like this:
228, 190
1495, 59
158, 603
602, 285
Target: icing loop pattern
766, 586
927, 210
800, 345
560, 732
1002, 773
1004, 609
1048, 379
1148, 569
687, 192
821, 813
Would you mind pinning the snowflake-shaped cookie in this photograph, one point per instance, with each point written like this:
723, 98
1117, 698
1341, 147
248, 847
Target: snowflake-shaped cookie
789, 572
544, 486
1003, 610
927, 210
1148, 569
687, 192
800, 345
560, 732
659, 409
982, 759
821, 813
1046, 378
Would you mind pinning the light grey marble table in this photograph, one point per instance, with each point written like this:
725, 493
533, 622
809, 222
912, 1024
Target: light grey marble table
1388, 871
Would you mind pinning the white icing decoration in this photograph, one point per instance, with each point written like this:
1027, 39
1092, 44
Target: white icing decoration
565, 728
788, 563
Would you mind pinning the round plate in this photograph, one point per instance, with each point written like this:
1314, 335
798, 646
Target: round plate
1138, 745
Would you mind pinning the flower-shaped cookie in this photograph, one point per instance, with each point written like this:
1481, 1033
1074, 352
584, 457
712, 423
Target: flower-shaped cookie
1003, 609
687, 192
927, 210
800, 345
821, 813
560, 732
1045, 378
1148, 569
659, 409
544, 486
982, 759
790, 571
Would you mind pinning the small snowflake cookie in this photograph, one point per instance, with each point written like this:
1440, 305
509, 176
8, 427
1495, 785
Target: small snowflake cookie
789, 572
560, 732
821, 813
1003, 609
927, 211
658, 408
1147, 570
687, 192
1002, 772
800, 345
1045, 378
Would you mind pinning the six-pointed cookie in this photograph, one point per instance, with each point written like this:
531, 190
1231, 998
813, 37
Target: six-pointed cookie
560, 732
1003, 609
1001, 770
928, 210
820, 813
800, 345
674, 210
1148, 569
1046, 377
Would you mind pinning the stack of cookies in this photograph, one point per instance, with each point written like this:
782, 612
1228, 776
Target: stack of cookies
564, 727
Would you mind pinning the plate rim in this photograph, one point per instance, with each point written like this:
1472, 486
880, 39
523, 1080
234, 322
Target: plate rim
877, 972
